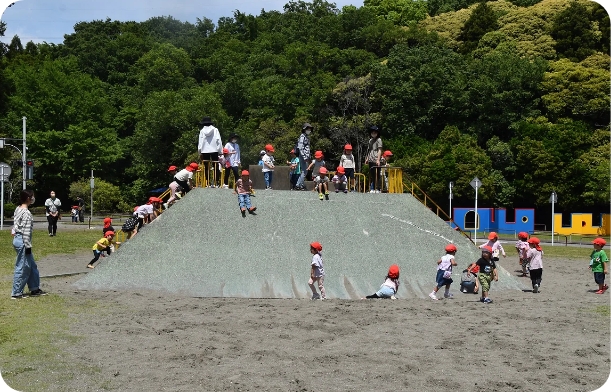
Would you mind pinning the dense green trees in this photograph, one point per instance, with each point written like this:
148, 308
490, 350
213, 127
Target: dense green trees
516, 93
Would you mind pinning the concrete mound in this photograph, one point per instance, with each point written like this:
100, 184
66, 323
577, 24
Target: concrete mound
203, 247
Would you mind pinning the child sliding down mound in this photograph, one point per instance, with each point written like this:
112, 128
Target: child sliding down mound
390, 286
243, 188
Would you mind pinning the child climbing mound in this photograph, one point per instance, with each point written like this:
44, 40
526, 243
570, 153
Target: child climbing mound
390, 286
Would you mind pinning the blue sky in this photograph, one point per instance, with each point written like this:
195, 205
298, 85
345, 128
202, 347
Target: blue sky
49, 20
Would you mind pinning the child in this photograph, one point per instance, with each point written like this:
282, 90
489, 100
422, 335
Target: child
533, 256
261, 154
295, 169
173, 187
522, 247
487, 272
74, 214
108, 227
234, 159
321, 184
390, 286
348, 163
225, 164
130, 226
317, 273
268, 166
444, 272
340, 180
102, 245
184, 178
243, 188
599, 264
316, 164
493, 242
384, 162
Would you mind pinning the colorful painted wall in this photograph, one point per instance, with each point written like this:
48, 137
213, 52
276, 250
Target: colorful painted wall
494, 219
582, 224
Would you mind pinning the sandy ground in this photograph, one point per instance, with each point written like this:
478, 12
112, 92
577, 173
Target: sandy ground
134, 341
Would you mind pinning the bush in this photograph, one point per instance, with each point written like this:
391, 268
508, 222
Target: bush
9, 209
106, 196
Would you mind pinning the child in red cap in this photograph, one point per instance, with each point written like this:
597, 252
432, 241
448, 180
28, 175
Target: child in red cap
348, 163
522, 247
599, 264
493, 242
487, 272
102, 246
340, 180
444, 272
316, 164
535, 260
243, 188
390, 286
268, 166
317, 272
321, 184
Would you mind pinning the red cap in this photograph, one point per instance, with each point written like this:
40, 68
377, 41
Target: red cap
323, 170
387, 153
107, 220
393, 271
193, 165
245, 173
451, 248
492, 235
523, 235
172, 168
599, 241
225, 151
109, 232
318, 154
316, 245
293, 151
487, 249
348, 147
535, 241
269, 148
340, 170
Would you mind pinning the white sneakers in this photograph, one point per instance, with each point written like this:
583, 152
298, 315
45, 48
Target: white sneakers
433, 297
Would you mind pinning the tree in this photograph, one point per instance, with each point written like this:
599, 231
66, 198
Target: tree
164, 68
572, 30
106, 196
15, 48
400, 12
482, 20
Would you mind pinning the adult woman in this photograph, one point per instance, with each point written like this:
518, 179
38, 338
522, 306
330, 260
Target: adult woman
26, 270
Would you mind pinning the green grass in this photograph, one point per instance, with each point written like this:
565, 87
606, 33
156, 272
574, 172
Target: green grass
603, 310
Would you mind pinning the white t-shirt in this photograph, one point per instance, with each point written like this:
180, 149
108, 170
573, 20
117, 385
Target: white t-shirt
446, 263
53, 205
347, 161
269, 159
534, 258
319, 269
144, 210
184, 175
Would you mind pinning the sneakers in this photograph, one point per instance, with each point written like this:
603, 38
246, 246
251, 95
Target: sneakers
600, 292
345, 191
320, 196
433, 297
165, 206
487, 300
252, 210
535, 288
38, 293
225, 186
448, 295
327, 196
90, 266
315, 296
393, 297
18, 296
337, 191
243, 209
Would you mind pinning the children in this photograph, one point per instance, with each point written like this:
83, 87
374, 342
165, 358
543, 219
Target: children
390, 286
74, 214
102, 245
295, 169
340, 180
316, 164
599, 264
487, 272
317, 272
533, 256
348, 163
225, 164
268, 166
522, 247
243, 188
234, 159
321, 184
493, 242
444, 272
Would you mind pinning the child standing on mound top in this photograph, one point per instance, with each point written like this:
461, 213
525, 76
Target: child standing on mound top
390, 286
321, 183
487, 272
268, 166
348, 163
243, 188
295, 170
101, 246
317, 272
535, 260
522, 247
493, 242
599, 264
444, 272
316, 164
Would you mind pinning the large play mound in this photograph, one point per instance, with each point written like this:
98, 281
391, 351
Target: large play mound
203, 247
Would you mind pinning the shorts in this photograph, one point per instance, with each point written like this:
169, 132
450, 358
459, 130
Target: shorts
599, 277
484, 281
441, 281
349, 173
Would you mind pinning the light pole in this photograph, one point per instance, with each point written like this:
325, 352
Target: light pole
475, 183
91, 183
23, 153
553, 199
451, 196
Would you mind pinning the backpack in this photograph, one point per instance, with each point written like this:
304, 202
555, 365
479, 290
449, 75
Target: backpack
130, 224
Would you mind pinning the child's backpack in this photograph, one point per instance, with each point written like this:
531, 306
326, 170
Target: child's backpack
467, 282
130, 224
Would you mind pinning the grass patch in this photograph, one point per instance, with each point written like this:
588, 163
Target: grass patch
603, 310
568, 252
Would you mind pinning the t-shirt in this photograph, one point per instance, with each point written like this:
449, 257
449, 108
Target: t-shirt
319, 269
372, 151
522, 247
446, 263
101, 244
234, 159
496, 247
184, 175
392, 283
598, 257
295, 162
485, 266
321, 180
347, 161
339, 179
242, 188
269, 160
534, 258
144, 210
317, 165
52, 206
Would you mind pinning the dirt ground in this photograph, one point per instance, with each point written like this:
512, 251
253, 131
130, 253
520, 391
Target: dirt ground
557, 340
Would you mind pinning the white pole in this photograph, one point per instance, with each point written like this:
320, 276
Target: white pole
553, 221
91, 212
450, 204
2, 198
475, 225
23, 154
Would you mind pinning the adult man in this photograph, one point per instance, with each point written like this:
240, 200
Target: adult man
303, 152
52, 206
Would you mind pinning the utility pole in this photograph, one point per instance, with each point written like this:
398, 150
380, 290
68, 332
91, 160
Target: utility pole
23, 154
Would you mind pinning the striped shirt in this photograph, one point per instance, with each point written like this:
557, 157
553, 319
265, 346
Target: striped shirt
23, 223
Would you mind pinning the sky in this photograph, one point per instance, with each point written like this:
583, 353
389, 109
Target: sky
48, 20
